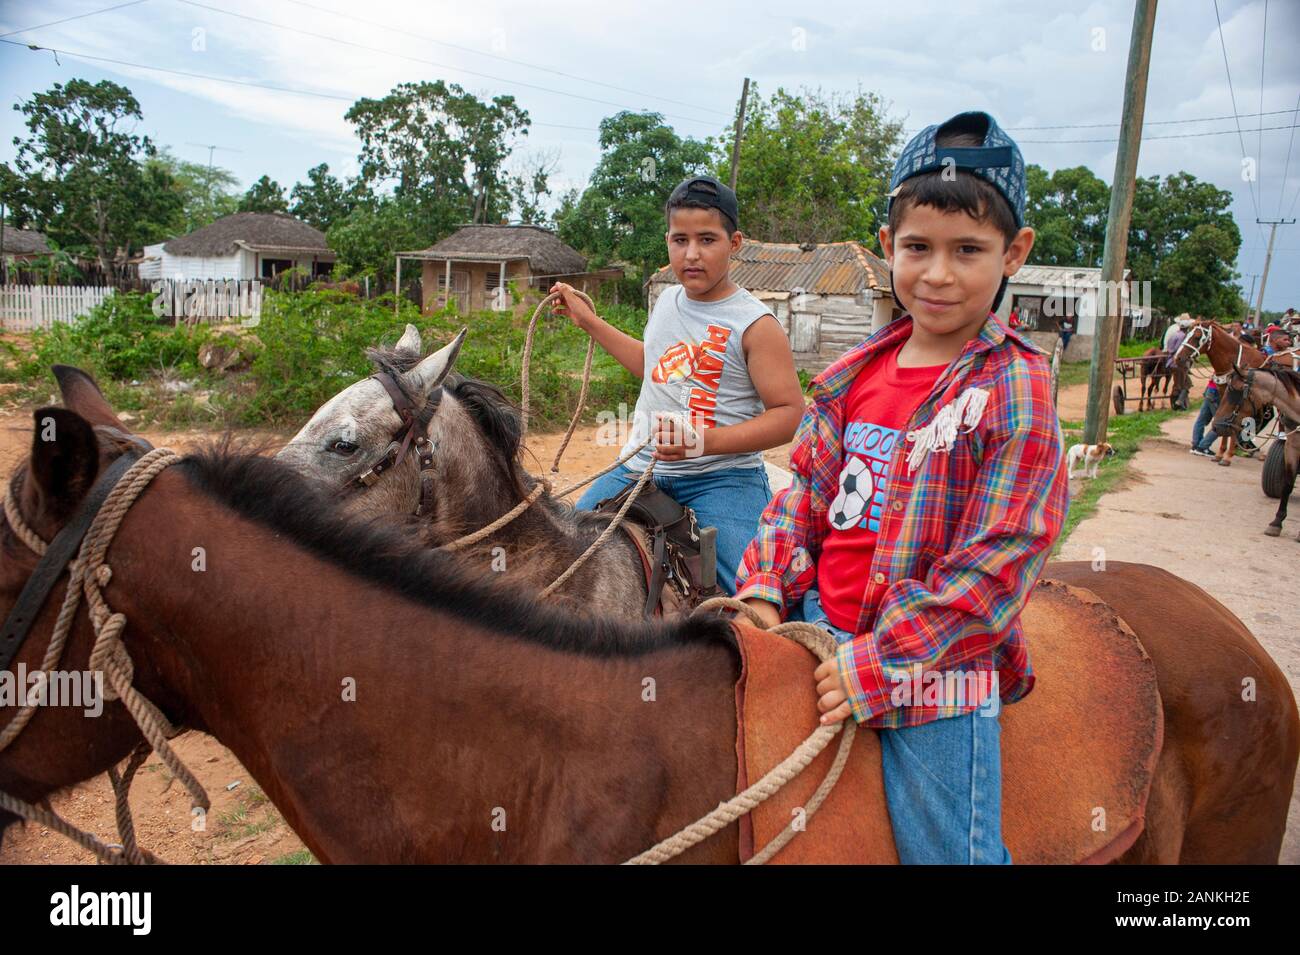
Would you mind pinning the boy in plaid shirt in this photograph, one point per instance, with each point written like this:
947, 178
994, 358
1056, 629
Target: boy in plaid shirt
928, 490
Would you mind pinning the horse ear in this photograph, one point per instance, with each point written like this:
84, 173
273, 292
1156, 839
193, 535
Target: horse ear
63, 466
429, 373
82, 395
410, 341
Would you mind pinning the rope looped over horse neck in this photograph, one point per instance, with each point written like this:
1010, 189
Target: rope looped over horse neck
89, 574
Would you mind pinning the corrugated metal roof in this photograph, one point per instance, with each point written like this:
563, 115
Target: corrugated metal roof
831, 268
1058, 275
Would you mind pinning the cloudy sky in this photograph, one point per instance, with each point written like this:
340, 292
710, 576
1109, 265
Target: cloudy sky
1037, 66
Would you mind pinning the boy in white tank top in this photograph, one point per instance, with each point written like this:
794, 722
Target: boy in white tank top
718, 379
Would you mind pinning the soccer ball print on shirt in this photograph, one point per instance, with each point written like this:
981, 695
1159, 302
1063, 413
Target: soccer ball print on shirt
863, 479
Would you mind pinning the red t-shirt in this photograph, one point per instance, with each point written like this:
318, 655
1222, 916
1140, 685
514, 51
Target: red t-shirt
877, 408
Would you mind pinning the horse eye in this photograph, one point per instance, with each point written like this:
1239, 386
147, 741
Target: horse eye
343, 447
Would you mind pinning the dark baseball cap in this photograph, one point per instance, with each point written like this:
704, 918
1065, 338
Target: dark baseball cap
707, 191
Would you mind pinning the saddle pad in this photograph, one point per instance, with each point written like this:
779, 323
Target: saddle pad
1078, 753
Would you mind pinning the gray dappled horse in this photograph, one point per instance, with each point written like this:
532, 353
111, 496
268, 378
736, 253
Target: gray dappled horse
474, 477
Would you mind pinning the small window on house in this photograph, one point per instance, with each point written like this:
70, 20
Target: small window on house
273, 267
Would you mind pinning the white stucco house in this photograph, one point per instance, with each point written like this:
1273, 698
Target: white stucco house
1046, 295
245, 245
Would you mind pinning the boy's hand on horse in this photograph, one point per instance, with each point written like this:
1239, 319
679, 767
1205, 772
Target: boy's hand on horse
676, 439
832, 694
572, 306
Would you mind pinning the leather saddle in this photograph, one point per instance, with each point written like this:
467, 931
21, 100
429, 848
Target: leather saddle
1078, 753
679, 558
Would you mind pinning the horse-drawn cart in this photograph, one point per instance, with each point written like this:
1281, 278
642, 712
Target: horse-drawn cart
1152, 376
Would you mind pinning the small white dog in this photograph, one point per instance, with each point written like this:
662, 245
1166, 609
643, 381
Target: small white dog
1090, 456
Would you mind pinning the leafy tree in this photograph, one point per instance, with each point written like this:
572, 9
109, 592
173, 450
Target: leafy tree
205, 192
365, 241
79, 175
1197, 275
1067, 210
265, 195
530, 182
1165, 212
813, 167
322, 200
441, 147
620, 215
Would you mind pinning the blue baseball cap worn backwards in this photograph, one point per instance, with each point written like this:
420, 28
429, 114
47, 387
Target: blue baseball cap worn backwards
998, 160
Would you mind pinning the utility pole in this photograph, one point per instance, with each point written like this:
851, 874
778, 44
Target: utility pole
211, 149
740, 126
1245, 317
1268, 259
1105, 339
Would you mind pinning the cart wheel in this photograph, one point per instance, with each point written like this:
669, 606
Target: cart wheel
1273, 477
1117, 399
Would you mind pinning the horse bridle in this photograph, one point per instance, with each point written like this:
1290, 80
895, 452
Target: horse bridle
408, 434
1204, 335
61, 550
1232, 424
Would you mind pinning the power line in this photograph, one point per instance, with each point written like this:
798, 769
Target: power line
228, 79
1259, 150
79, 16
1286, 167
504, 59
416, 59
1217, 132
1233, 98
1157, 122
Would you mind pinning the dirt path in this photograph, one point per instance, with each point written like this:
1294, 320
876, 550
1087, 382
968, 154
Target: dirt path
1205, 523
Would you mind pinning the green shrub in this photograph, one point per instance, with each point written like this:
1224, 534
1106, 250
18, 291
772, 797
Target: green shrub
313, 346
119, 339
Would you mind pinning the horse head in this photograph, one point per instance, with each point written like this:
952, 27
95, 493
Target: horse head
465, 475
73, 737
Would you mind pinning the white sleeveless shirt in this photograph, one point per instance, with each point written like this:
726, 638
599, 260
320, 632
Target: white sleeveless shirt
695, 366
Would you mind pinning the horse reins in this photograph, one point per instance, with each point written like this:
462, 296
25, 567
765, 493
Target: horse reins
88, 534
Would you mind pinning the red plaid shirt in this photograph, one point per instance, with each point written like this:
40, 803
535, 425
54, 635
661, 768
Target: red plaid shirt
963, 537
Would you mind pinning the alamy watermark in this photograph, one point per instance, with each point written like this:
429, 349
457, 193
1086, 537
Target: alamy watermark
1131, 299
209, 300
81, 688
917, 686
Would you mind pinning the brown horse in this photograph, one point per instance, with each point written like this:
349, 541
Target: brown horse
1154, 377
1253, 388
1225, 353
487, 728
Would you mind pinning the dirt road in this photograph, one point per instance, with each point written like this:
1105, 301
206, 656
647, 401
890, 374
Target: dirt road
1205, 523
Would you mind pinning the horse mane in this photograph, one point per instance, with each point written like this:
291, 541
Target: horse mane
271, 494
1289, 378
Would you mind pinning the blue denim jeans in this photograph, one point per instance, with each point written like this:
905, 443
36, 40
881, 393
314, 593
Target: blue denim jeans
1199, 436
730, 499
943, 779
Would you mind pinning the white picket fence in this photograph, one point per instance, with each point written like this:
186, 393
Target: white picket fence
26, 307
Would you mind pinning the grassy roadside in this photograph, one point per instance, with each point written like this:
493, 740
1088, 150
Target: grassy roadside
1126, 434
